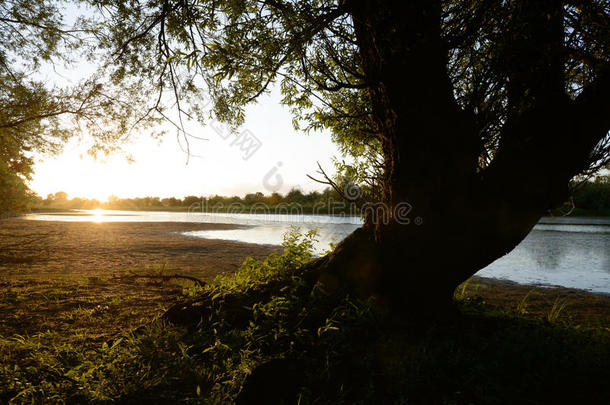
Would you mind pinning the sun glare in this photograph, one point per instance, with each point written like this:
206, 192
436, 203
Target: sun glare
97, 215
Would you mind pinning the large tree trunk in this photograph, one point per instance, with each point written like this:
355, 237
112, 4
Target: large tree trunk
445, 219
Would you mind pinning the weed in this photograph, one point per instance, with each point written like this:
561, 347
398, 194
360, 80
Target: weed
460, 291
558, 307
522, 306
346, 349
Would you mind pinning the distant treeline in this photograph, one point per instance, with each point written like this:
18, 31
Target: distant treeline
590, 198
325, 202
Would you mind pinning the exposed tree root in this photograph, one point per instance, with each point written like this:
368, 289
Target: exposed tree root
161, 277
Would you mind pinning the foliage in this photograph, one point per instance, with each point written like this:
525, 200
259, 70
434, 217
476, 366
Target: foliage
293, 203
556, 310
39, 109
14, 195
229, 53
298, 250
590, 198
349, 351
593, 198
210, 58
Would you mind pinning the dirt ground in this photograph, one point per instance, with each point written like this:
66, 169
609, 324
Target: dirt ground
32, 248
59, 276
577, 307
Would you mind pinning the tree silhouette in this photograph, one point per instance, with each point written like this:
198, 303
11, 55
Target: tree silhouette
467, 120
38, 116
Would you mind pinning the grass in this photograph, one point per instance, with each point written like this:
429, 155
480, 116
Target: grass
558, 307
521, 308
266, 333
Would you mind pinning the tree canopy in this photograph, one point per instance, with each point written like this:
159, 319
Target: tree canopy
39, 112
471, 116
187, 53
231, 52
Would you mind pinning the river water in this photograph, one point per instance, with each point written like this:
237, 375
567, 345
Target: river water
570, 252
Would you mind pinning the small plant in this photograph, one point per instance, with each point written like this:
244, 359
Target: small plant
192, 290
95, 280
346, 350
558, 307
331, 247
460, 292
522, 306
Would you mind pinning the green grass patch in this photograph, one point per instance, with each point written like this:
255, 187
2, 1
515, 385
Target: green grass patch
266, 326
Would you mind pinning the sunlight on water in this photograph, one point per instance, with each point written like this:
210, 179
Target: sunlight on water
97, 215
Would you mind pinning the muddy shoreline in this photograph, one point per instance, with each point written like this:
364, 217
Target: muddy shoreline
58, 276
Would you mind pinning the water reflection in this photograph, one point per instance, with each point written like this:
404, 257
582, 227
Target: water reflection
547, 250
272, 234
578, 259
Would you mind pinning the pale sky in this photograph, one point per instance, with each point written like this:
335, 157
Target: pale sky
160, 169
282, 161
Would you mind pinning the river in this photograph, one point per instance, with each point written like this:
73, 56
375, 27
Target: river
570, 252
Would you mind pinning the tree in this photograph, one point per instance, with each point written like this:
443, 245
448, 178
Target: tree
14, 195
295, 196
275, 198
171, 202
191, 200
60, 197
466, 120
36, 117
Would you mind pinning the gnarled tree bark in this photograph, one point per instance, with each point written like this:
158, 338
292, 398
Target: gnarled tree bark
467, 217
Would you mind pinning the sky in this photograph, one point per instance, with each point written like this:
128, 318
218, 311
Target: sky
266, 155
